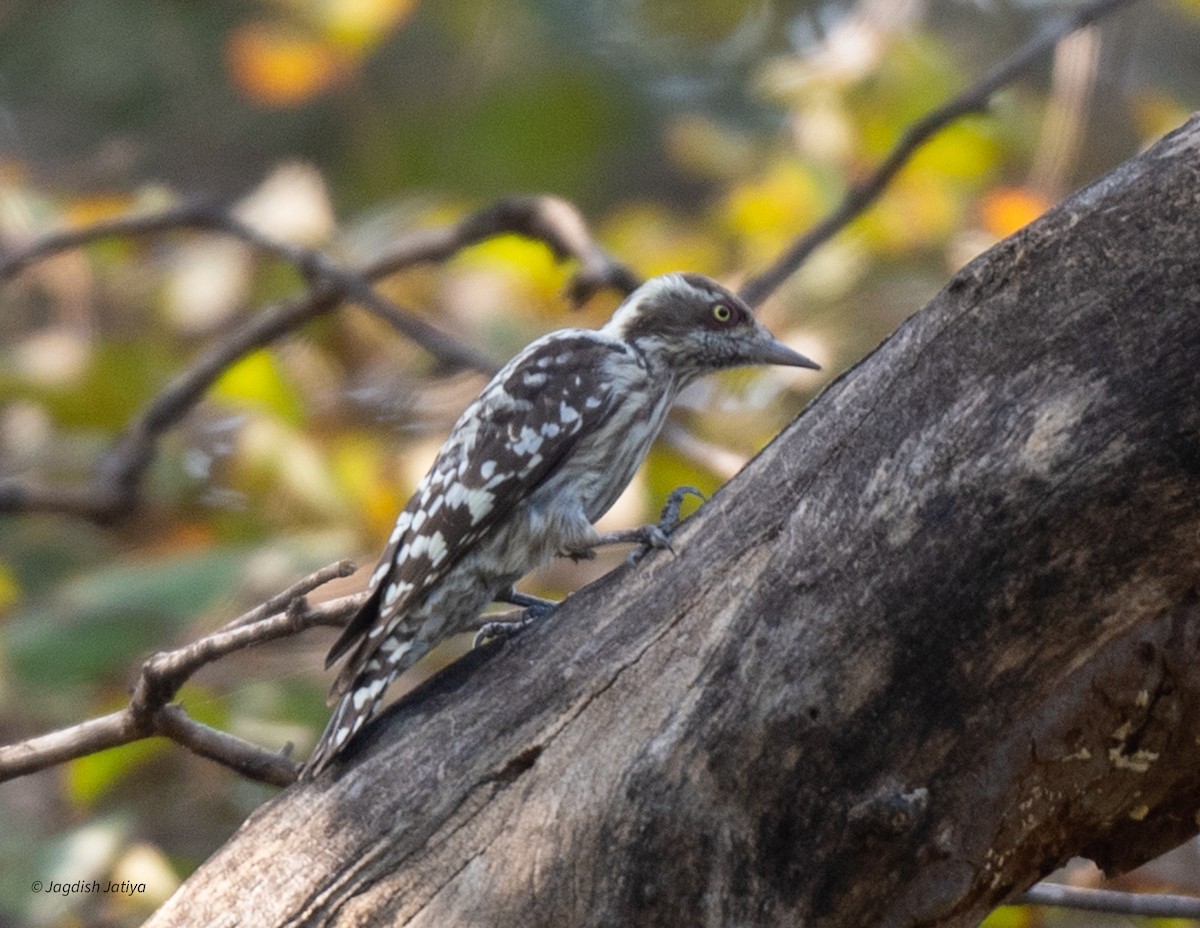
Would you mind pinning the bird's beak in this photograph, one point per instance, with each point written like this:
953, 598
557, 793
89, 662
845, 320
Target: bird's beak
776, 352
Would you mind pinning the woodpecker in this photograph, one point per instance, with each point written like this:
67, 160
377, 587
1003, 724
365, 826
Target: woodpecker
532, 463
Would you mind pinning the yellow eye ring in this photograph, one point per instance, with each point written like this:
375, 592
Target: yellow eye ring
722, 313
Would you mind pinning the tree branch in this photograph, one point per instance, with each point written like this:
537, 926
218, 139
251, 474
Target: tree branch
975, 99
552, 220
150, 713
1144, 905
116, 487
331, 282
197, 216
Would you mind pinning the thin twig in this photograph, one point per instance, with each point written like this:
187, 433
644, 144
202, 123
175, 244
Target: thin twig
165, 672
297, 591
119, 474
552, 220
151, 713
330, 281
198, 216
974, 99
1149, 905
245, 758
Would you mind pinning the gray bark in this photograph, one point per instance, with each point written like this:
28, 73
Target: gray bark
938, 637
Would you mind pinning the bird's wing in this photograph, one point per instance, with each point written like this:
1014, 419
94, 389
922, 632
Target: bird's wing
513, 438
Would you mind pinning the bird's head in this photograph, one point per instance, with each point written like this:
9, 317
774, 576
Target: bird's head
695, 326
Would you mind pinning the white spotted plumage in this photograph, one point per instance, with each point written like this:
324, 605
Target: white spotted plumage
543, 452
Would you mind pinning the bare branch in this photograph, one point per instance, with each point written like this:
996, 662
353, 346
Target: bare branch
549, 219
332, 283
187, 216
116, 486
150, 713
1148, 905
974, 99
66, 744
552, 220
165, 672
295, 592
247, 759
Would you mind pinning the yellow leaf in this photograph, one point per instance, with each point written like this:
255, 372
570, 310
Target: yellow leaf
765, 212
256, 382
1008, 916
918, 211
10, 589
962, 152
361, 470
662, 242
524, 260
358, 25
782, 200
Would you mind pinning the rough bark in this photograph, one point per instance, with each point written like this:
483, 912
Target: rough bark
939, 636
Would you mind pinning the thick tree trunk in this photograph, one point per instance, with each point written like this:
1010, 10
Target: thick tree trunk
940, 636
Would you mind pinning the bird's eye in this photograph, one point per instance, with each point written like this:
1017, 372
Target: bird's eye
723, 313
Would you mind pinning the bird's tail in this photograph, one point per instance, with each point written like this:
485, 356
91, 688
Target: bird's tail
353, 711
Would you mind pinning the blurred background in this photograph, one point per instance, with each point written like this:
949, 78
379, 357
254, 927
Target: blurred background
700, 135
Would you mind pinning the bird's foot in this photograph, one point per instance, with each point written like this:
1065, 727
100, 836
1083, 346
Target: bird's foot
649, 537
534, 609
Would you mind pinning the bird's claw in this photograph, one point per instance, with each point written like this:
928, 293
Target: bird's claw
650, 538
668, 519
658, 536
534, 609
500, 631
